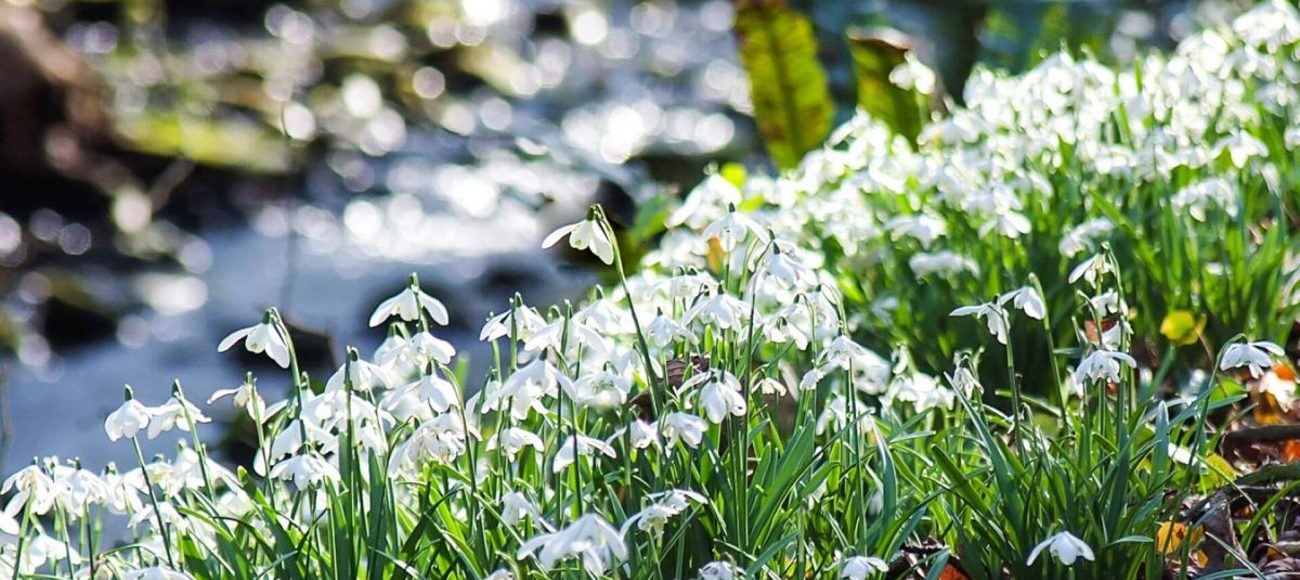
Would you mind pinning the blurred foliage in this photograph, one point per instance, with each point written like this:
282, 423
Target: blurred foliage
792, 105
877, 53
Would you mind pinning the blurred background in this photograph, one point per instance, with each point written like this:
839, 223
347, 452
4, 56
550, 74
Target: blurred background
170, 168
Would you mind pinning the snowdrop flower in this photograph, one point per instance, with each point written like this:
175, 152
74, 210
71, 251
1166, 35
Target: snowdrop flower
408, 305
605, 316
602, 389
1084, 237
1008, 224
1241, 146
1195, 198
516, 507
430, 347
591, 538
943, 263
1256, 357
663, 331
1091, 270
33, 485
683, 427
733, 227
1282, 390
127, 420
1102, 365
666, 506
705, 203
992, 313
721, 396
259, 338
784, 266
1066, 547
1027, 299
305, 470
722, 310
244, 396
512, 440
720, 570
502, 574
524, 319
860, 567
923, 228
577, 334
174, 413
526, 388
358, 374
587, 234
156, 573
579, 446
643, 434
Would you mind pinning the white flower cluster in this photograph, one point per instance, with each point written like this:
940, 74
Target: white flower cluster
738, 311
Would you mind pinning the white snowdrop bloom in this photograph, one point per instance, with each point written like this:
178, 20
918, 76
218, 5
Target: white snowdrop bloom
430, 347
707, 202
643, 434
245, 397
721, 310
1102, 365
683, 427
525, 389
721, 396
605, 316
290, 440
127, 420
662, 332
436, 391
1065, 547
784, 266
1084, 237
165, 511
733, 227
408, 305
1008, 224
516, 507
924, 228
359, 374
666, 505
305, 471
923, 391
502, 574
688, 286
771, 386
576, 334
942, 263
575, 446
590, 538
123, 493
173, 413
1091, 270
1108, 302
1197, 197
842, 352
602, 389
77, 489
1026, 299
861, 567
259, 338
441, 439
1241, 146
156, 573
721, 570
42, 548
1256, 357
994, 316
523, 319
588, 234
512, 440
963, 380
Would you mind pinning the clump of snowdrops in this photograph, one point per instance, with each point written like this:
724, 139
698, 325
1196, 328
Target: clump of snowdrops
713, 416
